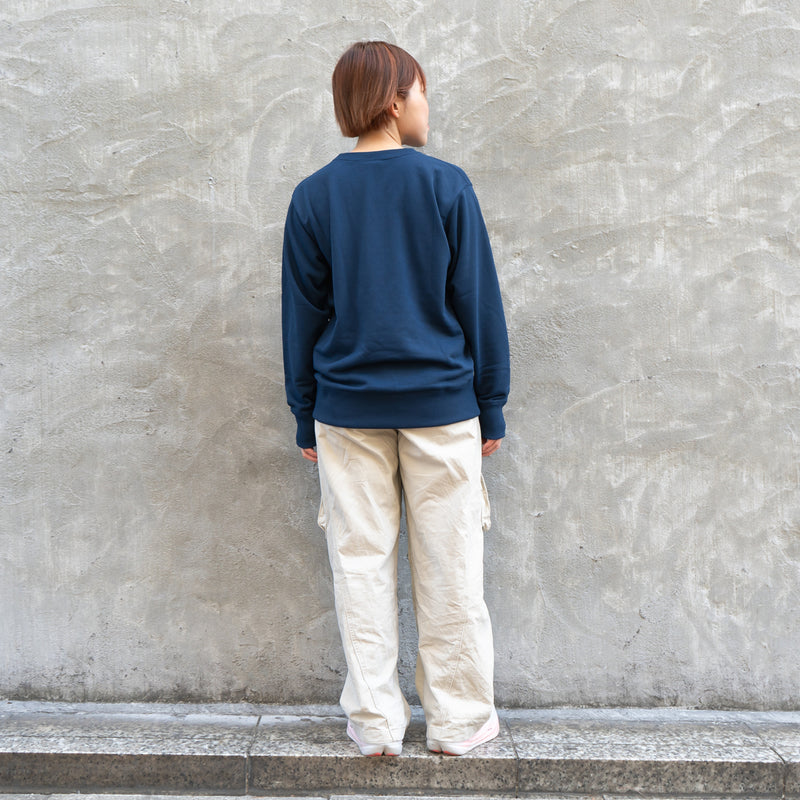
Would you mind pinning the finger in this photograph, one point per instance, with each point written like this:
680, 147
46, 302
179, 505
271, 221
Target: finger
490, 446
309, 453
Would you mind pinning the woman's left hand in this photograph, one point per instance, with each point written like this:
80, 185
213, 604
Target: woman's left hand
490, 446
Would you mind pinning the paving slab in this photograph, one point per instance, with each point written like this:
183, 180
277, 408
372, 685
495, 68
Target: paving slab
314, 753
781, 731
436, 796
110, 796
643, 752
124, 748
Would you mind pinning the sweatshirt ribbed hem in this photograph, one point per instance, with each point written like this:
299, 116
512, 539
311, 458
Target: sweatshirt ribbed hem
410, 410
424, 408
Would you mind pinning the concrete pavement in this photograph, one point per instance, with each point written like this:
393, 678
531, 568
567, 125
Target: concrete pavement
238, 749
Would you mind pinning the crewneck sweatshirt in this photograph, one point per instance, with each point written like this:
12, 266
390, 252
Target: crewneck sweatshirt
391, 308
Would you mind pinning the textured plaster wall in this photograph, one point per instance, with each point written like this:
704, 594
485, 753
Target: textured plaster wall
638, 167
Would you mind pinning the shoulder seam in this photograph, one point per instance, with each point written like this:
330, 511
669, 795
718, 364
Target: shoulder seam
467, 185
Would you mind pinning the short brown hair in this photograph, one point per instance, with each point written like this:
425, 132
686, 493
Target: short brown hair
366, 79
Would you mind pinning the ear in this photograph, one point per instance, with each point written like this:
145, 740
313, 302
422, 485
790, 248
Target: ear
394, 108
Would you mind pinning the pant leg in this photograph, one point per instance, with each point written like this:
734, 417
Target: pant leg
360, 512
447, 510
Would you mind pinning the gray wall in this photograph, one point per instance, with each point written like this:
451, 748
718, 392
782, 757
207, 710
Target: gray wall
638, 168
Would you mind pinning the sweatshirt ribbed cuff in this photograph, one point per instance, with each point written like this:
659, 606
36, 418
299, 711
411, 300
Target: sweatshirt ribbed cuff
305, 432
493, 425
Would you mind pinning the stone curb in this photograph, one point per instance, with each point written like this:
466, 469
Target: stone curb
271, 750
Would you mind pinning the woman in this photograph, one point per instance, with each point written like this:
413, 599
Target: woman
397, 370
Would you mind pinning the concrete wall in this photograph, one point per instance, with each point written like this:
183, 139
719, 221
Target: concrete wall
638, 167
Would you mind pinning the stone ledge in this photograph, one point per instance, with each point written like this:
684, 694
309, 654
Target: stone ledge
271, 750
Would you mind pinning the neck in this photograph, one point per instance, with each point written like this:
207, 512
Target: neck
380, 139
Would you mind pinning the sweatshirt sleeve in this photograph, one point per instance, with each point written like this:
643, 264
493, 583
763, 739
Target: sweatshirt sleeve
475, 295
305, 311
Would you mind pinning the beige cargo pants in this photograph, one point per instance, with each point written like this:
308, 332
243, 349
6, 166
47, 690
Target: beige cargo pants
363, 474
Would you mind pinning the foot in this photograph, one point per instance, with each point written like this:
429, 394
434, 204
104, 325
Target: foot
485, 734
387, 749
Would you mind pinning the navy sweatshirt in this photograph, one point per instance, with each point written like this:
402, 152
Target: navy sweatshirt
392, 316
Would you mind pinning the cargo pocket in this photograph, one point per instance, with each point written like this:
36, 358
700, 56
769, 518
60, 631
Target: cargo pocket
486, 509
